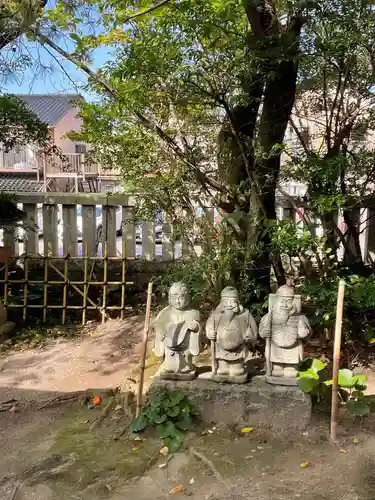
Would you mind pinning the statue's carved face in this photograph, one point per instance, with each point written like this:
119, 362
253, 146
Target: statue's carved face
285, 303
230, 304
179, 299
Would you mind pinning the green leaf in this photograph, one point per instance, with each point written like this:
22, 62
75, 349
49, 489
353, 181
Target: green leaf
307, 384
317, 365
139, 423
357, 394
74, 37
159, 419
185, 423
156, 401
359, 380
358, 408
173, 411
346, 378
310, 373
174, 398
173, 444
165, 430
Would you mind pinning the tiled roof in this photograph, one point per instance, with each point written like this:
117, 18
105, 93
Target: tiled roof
19, 185
49, 108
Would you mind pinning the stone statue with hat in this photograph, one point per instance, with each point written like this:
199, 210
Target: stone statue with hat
177, 335
284, 328
230, 328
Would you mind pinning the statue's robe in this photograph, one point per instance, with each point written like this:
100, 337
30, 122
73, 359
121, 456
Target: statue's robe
286, 343
175, 339
231, 336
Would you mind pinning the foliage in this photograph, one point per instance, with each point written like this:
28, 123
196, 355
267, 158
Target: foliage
171, 415
320, 300
315, 380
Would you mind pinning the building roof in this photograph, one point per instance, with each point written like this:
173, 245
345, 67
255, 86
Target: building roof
17, 185
50, 108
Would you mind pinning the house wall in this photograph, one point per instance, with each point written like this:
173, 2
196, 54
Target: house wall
70, 122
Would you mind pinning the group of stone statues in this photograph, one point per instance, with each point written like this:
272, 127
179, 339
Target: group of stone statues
231, 330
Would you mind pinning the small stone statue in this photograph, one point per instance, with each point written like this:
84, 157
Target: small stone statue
178, 335
284, 327
230, 327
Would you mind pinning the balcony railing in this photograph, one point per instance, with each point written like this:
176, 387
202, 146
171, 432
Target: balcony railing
52, 166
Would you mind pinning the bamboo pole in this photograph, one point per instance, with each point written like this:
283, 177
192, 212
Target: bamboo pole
26, 270
85, 287
123, 277
6, 272
65, 292
45, 290
105, 284
336, 358
144, 349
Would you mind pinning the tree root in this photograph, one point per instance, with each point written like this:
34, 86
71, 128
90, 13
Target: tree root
209, 464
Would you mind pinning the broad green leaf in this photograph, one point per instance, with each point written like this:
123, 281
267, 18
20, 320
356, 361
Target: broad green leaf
346, 378
307, 384
317, 365
139, 424
173, 444
156, 401
185, 423
358, 408
359, 380
174, 398
165, 430
159, 419
310, 373
173, 411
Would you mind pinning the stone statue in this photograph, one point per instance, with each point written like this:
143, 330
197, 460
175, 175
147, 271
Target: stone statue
284, 328
230, 327
178, 335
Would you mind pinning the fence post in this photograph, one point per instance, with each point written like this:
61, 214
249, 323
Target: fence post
89, 229
128, 231
167, 240
109, 229
148, 240
70, 241
31, 237
50, 230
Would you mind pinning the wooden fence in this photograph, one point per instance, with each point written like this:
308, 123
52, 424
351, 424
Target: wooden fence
60, 224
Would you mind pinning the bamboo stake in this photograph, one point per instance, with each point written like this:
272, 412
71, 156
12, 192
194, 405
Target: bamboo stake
105, 285
25, 289
144, 350
123, 276
336, 359
85, 287
65, 293
45, 289
6, 271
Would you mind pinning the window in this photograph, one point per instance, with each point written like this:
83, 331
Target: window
81, 148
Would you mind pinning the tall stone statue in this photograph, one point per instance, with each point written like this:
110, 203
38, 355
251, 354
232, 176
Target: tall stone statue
230, 327
284, 328
178, 335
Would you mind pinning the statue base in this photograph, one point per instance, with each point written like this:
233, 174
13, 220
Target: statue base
281, 410
176, 376
286, 381
224, 379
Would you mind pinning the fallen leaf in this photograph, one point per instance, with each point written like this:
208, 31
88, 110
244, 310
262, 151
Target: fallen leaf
372, 341
343, 451
191, 481
210, 431
118, 407
96, 400
246, 430
138, 438
304, 465
162, 466
177, 489
260, 447
164, 451
356, 440
134, 447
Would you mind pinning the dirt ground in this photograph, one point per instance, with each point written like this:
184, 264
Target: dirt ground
55, 453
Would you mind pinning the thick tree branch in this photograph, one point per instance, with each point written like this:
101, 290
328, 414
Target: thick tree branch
145, 11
